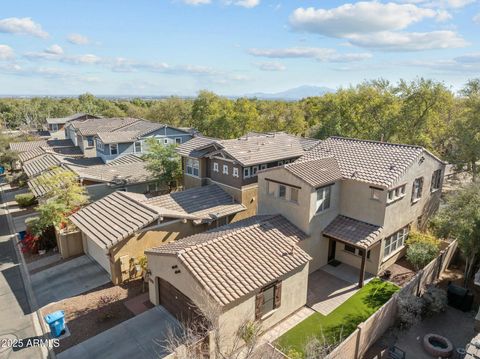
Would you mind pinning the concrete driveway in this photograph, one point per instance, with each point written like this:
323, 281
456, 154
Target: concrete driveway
139, 337
68, 279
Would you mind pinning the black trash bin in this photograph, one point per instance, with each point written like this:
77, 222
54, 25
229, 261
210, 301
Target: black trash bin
459, 297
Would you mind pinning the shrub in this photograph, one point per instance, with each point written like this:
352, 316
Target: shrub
25, 199
410, 309
17, 179
422, 249
435, 300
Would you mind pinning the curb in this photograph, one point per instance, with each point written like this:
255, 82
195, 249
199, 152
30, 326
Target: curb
38, 324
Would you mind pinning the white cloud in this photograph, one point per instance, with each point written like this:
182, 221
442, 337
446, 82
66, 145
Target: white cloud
361, 17
247, 3
318, 53
408, 41
78, 39
22, 26
270, 66
441, 4
443, 15
476, 19
6, 52
54, 50
196, 2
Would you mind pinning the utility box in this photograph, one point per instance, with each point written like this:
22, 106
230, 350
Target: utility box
56, 322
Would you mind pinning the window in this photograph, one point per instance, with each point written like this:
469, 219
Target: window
417, 189
282, 191
90, 142
294, 194
254, 170
271, 188
350, 248
323, 198
165, 141
246, 172
280, 163
138, 147
360, 253
114, 149
178, 140
264, 166
99, 145
396, 193
152, 187
225, 169
54, 127
193, 167
215, 167
395, 242
235, 172
122, 189
436, 180
268, 300
375, 193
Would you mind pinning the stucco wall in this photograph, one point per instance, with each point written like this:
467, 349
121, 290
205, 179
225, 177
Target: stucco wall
97, 191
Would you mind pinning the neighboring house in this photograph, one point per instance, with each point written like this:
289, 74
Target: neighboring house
133, 139
356, 200
83, 132
26, 146
40, 164
252, 270
233, 164
99, 179
118, 228
56, 125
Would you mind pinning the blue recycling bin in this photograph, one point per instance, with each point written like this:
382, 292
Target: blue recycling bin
2, 170
56, 322
22, 234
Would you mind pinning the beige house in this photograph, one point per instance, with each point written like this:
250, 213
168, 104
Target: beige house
356, 200
233, 164
251, 270
117, 229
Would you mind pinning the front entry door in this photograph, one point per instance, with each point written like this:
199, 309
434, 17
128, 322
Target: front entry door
332, 245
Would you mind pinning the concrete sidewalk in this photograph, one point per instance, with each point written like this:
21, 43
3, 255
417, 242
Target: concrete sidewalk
16, 317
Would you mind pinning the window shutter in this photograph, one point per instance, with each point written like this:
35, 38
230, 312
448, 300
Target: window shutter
258, 305
278, 295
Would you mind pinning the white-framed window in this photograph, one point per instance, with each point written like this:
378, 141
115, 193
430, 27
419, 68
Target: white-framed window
90, 141
178, 140
225, 169
138, 146
235, 172
54, 127
282, 191
375, 193
286, 162
294, 195
349, 248
417, 189
215, 167
99, 145
396, 193
263, 166
395, 241
323, 198
254, 170
436, 180
193, 167
114, 149
246, 172
165, 141
280, 163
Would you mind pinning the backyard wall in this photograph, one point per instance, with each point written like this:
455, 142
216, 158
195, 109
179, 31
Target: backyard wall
368, 332
69, 243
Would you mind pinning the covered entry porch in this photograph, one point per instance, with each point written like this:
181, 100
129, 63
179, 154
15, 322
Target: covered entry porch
353, 246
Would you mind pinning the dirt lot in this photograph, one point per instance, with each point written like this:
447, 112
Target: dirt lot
94, 312
401, 272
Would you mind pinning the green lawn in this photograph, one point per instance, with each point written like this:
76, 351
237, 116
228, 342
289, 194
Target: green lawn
343, 320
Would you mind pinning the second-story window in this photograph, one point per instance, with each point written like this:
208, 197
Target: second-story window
282, 191
90, 142
246, 172
294, 195
138, 147
235, 172
215, 167
436, 180
323, 198
417, 189
396, 193
375, 193
264, 166
178, 140
193, 167
114, 149
99, 145
254, 170
225, 170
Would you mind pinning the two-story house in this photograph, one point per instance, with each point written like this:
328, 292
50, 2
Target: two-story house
132, 139
56, 125
234, 164
356, 200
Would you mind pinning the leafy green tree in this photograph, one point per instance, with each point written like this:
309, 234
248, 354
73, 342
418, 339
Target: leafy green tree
163, 163
460, 219
421, 251
62, 186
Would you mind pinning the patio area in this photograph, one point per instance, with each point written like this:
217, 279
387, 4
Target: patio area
330, 286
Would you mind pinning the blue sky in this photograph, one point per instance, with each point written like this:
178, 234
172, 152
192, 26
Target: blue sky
232, 47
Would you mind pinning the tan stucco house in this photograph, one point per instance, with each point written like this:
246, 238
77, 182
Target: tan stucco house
117, 229
252, 270
356, 200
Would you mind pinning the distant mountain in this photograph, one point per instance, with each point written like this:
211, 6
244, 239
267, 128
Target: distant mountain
296, 93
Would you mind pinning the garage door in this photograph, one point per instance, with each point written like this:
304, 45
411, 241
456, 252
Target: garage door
94, 251
177, 303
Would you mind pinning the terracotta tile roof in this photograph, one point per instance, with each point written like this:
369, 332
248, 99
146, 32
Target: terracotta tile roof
30, 145
236, 260
355, 232
113, 218
316, 172
124, 204
202, 203
374, 162
190, 148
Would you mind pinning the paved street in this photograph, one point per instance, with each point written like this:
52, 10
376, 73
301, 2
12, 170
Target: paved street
16, 318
